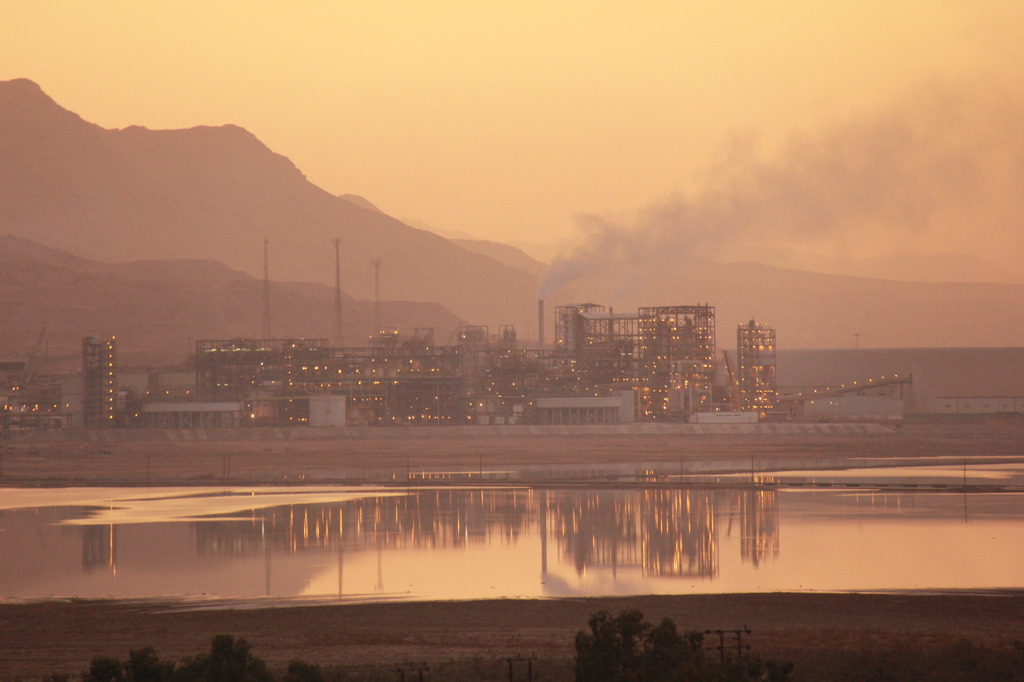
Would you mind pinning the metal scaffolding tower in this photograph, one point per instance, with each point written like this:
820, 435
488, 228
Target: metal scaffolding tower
99, 382
755, 348
677, 360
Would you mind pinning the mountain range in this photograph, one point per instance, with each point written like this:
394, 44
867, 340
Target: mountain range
814, 310
217, 193
157, 236
158, 308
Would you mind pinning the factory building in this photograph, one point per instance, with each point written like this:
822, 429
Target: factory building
755, 351
665, 354
99, 382
890, 383
604, 367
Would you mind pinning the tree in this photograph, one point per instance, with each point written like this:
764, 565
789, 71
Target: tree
670, 656
104, 669
626, 648
229, 660
145, 666
612, 650
300, 671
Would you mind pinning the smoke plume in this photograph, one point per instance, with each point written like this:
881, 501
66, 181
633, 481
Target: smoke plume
940, 172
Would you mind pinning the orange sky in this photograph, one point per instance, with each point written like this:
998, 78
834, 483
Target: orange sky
498, 119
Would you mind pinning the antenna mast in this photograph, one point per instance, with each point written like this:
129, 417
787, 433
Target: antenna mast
376, 295
337, 291
266, 290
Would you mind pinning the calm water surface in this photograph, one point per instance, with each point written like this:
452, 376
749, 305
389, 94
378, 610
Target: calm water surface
458, 543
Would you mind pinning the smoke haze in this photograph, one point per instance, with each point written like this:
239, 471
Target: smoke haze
939, 172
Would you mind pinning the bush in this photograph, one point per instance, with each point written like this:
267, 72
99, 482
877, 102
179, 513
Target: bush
104, 669
145, 666
626, 648
300, 671
229, 660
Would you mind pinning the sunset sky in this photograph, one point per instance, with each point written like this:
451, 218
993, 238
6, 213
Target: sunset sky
508, 120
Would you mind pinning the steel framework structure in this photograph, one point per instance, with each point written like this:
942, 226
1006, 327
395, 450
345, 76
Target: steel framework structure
677, 360
755, 349
236, 368
394, 380
99, 382
664, 355
596, 349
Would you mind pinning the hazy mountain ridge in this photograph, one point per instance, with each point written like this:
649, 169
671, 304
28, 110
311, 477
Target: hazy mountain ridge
361, 202
158, 308
207, 196
19, 251
216, 193
813, 310
504, 253
940, 267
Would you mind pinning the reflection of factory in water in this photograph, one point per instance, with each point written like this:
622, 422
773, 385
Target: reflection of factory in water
99, 548
759, 525
556, 541
438, 519
662, 533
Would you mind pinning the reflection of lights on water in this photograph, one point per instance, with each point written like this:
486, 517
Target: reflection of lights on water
614, 540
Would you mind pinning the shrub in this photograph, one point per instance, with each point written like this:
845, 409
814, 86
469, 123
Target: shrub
626, 648
104, 669
300, 671
229, 660
145, 666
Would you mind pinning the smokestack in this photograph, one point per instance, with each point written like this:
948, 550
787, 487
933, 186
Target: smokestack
540, 321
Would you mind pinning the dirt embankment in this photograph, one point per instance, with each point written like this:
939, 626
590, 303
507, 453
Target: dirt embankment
378, 459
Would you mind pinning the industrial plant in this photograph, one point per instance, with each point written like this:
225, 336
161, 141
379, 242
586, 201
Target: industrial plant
603, 368
657, 364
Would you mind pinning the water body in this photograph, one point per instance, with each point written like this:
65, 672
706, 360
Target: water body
863, 531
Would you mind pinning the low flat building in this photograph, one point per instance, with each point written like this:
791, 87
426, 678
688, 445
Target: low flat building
925, 381
189, 415
615, 409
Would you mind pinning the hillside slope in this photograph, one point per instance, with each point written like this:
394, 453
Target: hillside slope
503, 253
217, 193
158, 308
812, 310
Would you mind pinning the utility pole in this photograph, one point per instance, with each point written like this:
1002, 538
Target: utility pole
337, 292
737, 636
376, 295
266, 289
529, 665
